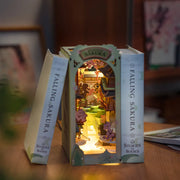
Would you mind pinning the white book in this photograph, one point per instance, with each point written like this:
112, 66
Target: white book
170, 136
132, 106
45, 108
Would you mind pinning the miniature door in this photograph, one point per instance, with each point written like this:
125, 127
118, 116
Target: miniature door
94, 105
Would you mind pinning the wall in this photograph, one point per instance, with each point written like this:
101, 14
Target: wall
20, 13
90, 22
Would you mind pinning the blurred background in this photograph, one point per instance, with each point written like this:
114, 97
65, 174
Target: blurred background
118, 22
29, 27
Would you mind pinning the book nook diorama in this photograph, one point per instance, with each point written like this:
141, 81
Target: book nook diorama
102, 107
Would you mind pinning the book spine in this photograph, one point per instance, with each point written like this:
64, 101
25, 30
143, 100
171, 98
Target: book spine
50, 109
132, 108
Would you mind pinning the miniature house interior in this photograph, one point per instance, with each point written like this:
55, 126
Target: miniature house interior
95, 107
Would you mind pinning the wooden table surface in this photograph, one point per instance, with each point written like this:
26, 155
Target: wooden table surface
161, 162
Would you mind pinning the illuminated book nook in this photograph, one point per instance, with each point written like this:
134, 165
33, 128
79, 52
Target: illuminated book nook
91, 105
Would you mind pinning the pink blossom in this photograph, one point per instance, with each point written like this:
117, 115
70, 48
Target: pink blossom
109, 132
80, 116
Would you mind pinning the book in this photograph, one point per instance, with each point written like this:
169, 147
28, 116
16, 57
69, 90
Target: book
170, 136
132, 106
45, 108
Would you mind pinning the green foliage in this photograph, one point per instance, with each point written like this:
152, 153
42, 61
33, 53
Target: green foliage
11, 103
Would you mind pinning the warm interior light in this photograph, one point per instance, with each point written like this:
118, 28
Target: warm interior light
93, 74
111, 164
90, 135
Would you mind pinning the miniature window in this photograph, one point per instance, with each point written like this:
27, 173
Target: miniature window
95, 108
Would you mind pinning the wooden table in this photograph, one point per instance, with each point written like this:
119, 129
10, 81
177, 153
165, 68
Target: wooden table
161, 162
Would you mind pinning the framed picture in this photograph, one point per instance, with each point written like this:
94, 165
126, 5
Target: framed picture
21, 58
162, 31
30, 37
